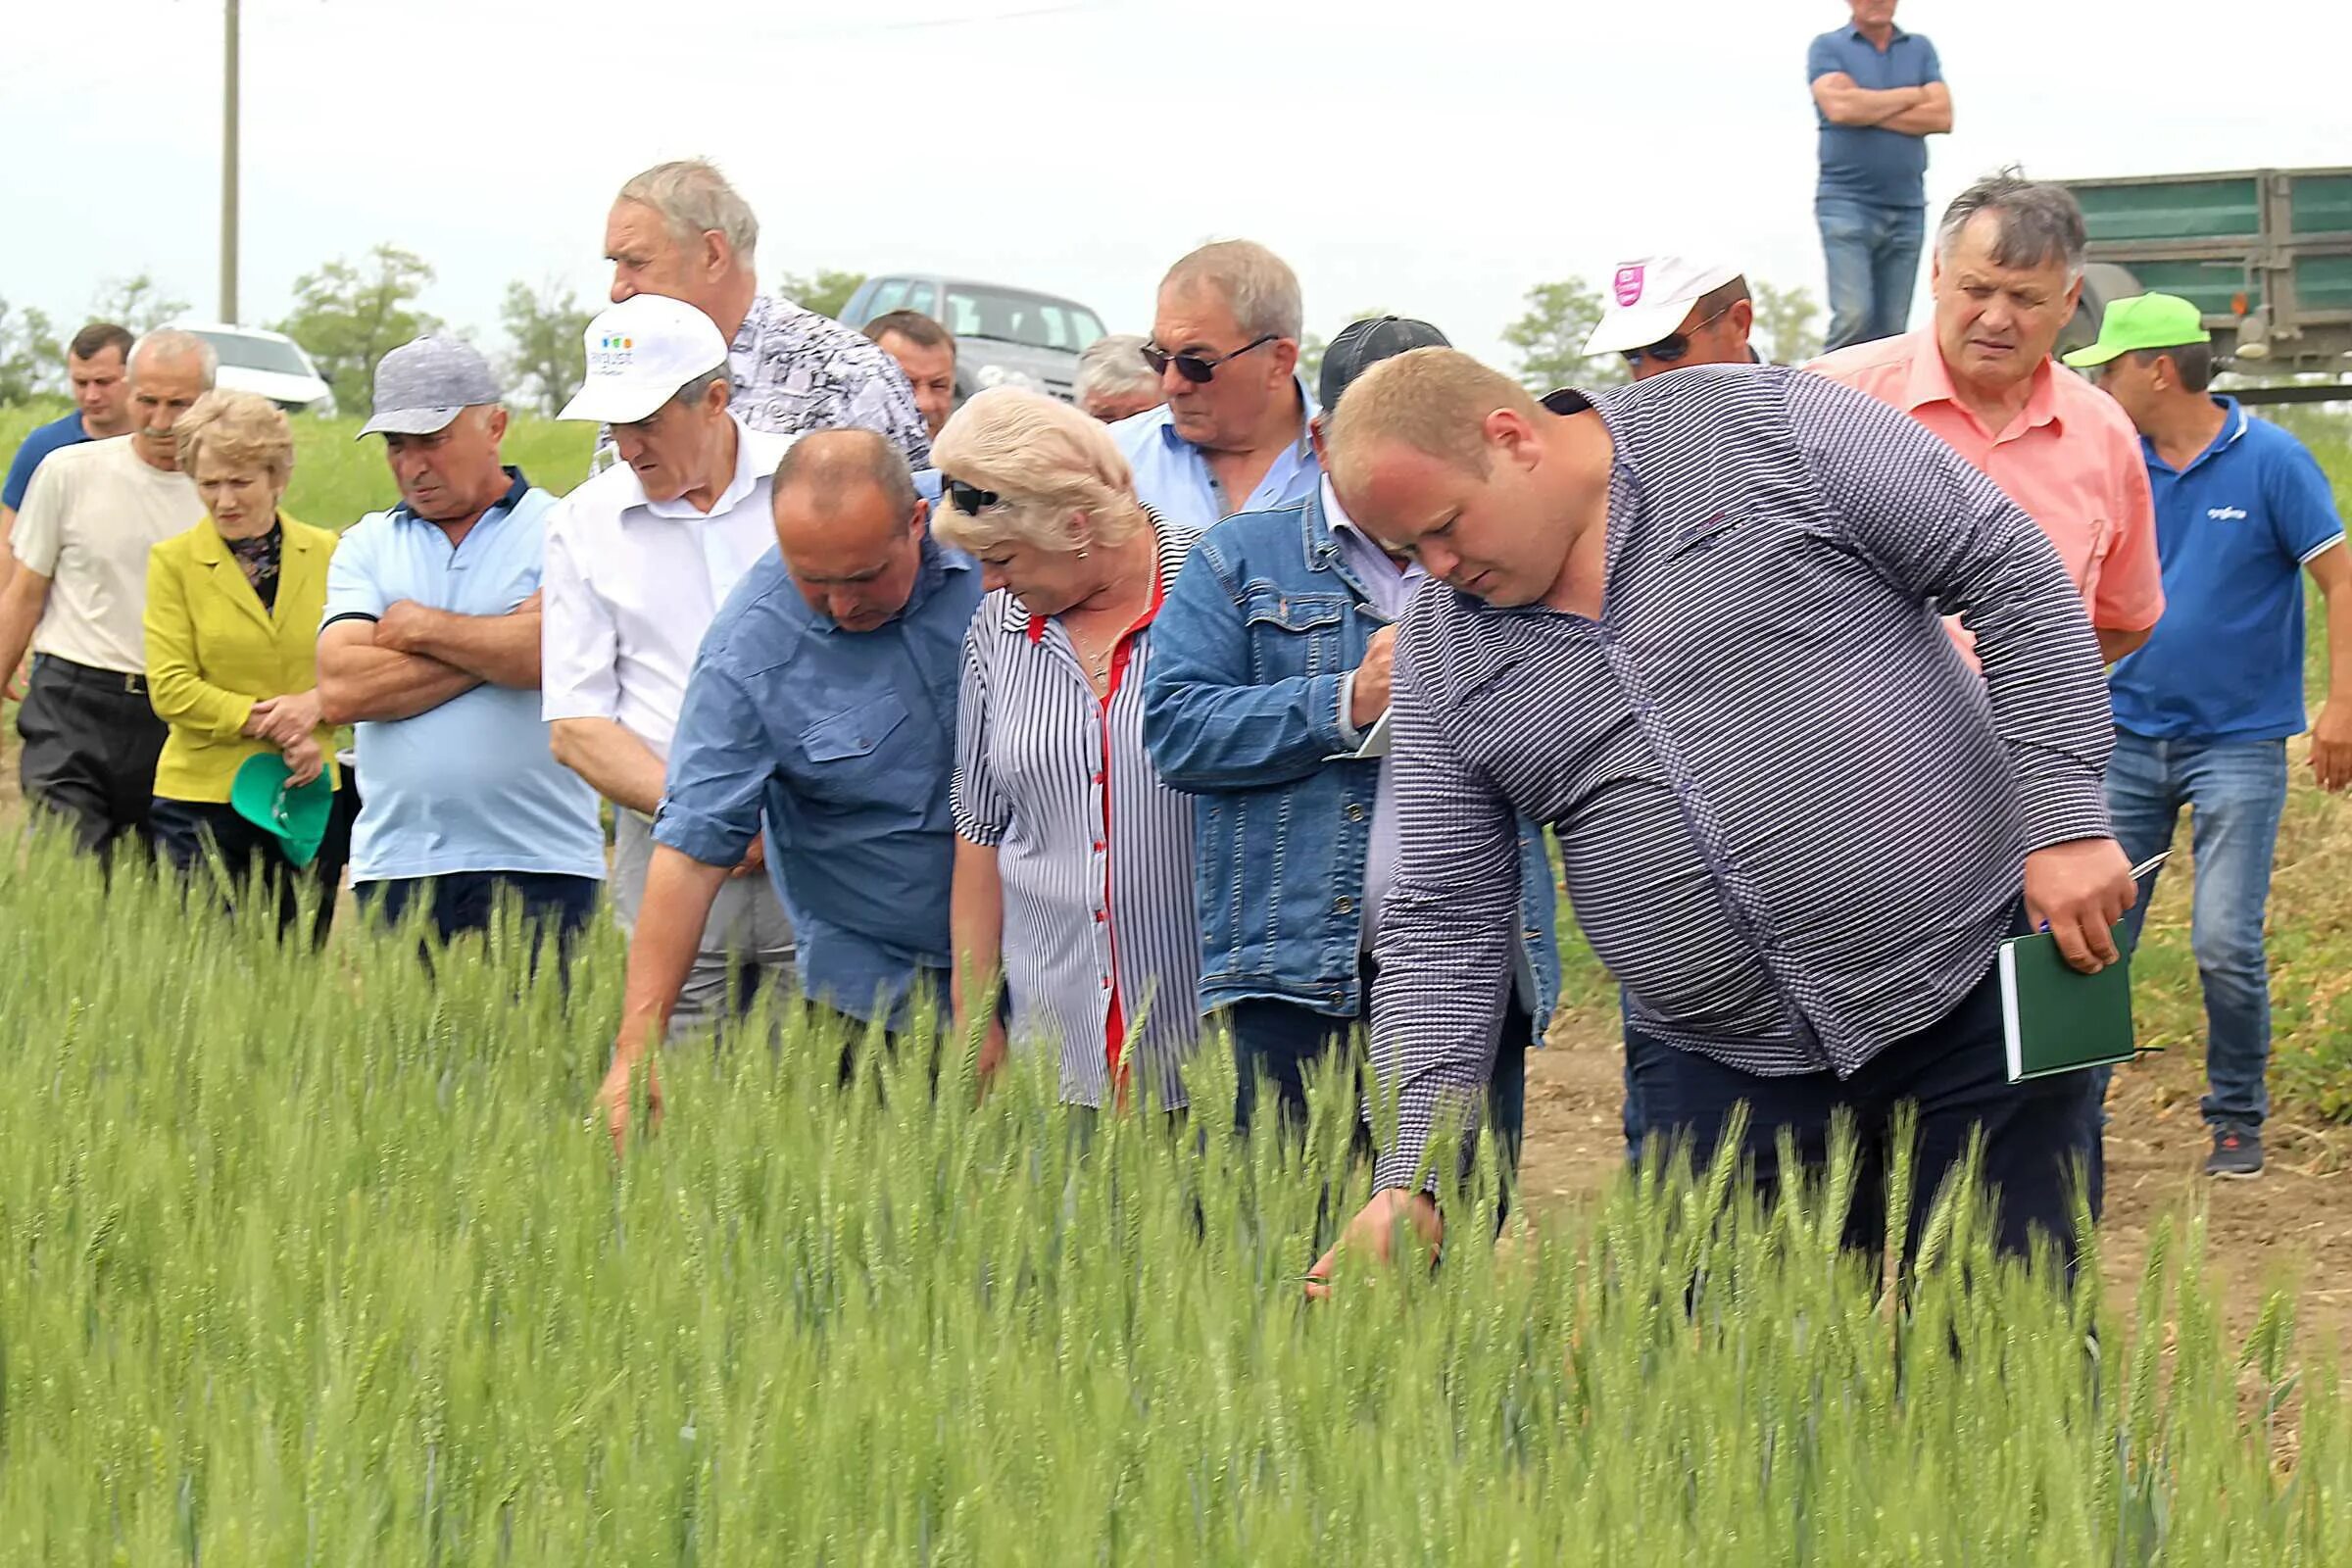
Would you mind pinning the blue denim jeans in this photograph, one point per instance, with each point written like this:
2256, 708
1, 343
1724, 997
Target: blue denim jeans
1873, 257
2234, 792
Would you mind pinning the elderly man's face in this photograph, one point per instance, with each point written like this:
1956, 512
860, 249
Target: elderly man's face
1112, 406
451, 473
648, 258
1495, 535
1227, 410
930, 372
1873, 14
163, 387
1995, 324
673, 448
101, 391
855, 558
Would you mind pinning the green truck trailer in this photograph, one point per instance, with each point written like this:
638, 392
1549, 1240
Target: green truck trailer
2266, 254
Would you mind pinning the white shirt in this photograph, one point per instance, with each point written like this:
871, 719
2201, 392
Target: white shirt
632, 584
94, 513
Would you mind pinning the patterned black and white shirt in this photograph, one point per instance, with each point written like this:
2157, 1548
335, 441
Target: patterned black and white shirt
795, 371
1794, 821
1102, 941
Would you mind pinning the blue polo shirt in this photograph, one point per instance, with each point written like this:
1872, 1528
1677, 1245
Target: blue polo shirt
470, 785
845, 742
2232, 531
1173, 479
39, 442
1870, 163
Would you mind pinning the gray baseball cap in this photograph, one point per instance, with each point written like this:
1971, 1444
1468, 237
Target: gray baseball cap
420, 386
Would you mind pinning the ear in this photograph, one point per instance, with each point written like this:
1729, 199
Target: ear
1510, 430
1742, 317
718, 256
1314, 435
497, 423
2074, 296
918, 521
1283, 355
716, 395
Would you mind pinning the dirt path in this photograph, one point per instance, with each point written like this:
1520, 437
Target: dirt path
2291, 1227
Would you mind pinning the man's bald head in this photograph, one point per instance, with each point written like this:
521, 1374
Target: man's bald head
849, 527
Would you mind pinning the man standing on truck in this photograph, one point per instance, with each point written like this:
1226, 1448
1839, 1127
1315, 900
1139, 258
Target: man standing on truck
2203, 711
1880, 94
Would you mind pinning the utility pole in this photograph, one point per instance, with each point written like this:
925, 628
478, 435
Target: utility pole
228, 165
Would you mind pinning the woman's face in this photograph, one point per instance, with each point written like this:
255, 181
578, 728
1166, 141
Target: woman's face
241, 498
1047, 581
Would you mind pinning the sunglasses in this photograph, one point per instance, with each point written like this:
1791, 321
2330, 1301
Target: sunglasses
970, 499
1198, 369
1670, 349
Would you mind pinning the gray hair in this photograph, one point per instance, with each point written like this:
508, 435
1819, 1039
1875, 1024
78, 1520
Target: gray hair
173, 343
693, 391
2037, 222
1256, 285
1113, 366
694, 198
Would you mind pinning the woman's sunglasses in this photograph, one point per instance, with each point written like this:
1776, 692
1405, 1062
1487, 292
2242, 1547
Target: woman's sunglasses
1198, 369
970, 499
1670, 349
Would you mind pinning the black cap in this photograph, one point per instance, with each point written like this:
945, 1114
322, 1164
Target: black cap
1363, 344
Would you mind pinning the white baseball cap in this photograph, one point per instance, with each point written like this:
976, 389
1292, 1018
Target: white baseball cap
640, 352
1648, 298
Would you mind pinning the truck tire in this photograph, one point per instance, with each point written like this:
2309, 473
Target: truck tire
2103, 283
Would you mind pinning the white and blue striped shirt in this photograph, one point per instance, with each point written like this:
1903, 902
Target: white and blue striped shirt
1102, 941
1794, 821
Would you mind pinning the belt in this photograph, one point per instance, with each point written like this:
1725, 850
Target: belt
121, 683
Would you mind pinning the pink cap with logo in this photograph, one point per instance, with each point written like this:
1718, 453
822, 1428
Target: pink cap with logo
1649, 297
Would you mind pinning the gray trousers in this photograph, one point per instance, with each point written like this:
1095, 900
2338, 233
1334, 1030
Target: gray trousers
747, 931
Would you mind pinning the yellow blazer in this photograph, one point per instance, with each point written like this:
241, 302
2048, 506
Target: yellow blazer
212, 651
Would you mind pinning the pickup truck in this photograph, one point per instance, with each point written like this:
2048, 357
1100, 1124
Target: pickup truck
2266, 254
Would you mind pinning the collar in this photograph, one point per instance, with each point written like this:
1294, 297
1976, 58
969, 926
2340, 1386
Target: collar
2235, 419
1927, 379
1168, 560
517, 488
741, 484
1309, 408
1894, 36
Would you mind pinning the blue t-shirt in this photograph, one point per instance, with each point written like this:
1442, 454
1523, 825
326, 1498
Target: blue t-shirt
39, 442
1870, 163
2232, 530
470, 785
845, 742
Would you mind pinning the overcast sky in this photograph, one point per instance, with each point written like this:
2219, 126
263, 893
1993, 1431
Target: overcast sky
1429, 159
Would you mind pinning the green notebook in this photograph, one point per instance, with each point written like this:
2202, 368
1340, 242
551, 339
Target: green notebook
2057, 1018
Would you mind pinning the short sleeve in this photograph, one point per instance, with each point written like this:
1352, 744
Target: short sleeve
2300, 501
1821, 59
19, 471
1930, 69
975, 801
579, 643
40, 533
719, 764
2131, 591
353, 591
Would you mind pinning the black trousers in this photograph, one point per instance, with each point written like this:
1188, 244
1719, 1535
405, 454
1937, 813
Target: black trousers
191, 834
90, 749
1955, 1071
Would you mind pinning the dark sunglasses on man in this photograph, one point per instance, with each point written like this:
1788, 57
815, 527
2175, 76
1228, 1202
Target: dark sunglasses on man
1670, 349
1198, 368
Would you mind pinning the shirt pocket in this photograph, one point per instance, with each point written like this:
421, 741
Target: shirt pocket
848, 748
1294, 634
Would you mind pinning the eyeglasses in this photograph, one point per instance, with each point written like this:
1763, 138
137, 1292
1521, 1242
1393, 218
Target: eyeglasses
1198, 369
1670, 349
970, 499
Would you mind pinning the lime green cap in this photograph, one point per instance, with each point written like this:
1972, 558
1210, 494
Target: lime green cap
2143, 322
298, 816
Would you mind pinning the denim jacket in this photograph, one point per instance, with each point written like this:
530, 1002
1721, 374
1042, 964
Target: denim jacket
1242, 710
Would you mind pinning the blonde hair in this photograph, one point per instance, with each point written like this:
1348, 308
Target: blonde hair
1050, 462
241, 429
1435, 400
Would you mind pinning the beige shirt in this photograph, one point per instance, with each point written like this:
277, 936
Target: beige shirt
94, 513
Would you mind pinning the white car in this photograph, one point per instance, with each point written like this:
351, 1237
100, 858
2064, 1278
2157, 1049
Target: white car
269, 364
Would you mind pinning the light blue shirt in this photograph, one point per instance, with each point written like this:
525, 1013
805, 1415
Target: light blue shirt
846, 741
1173, 479
470, 785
